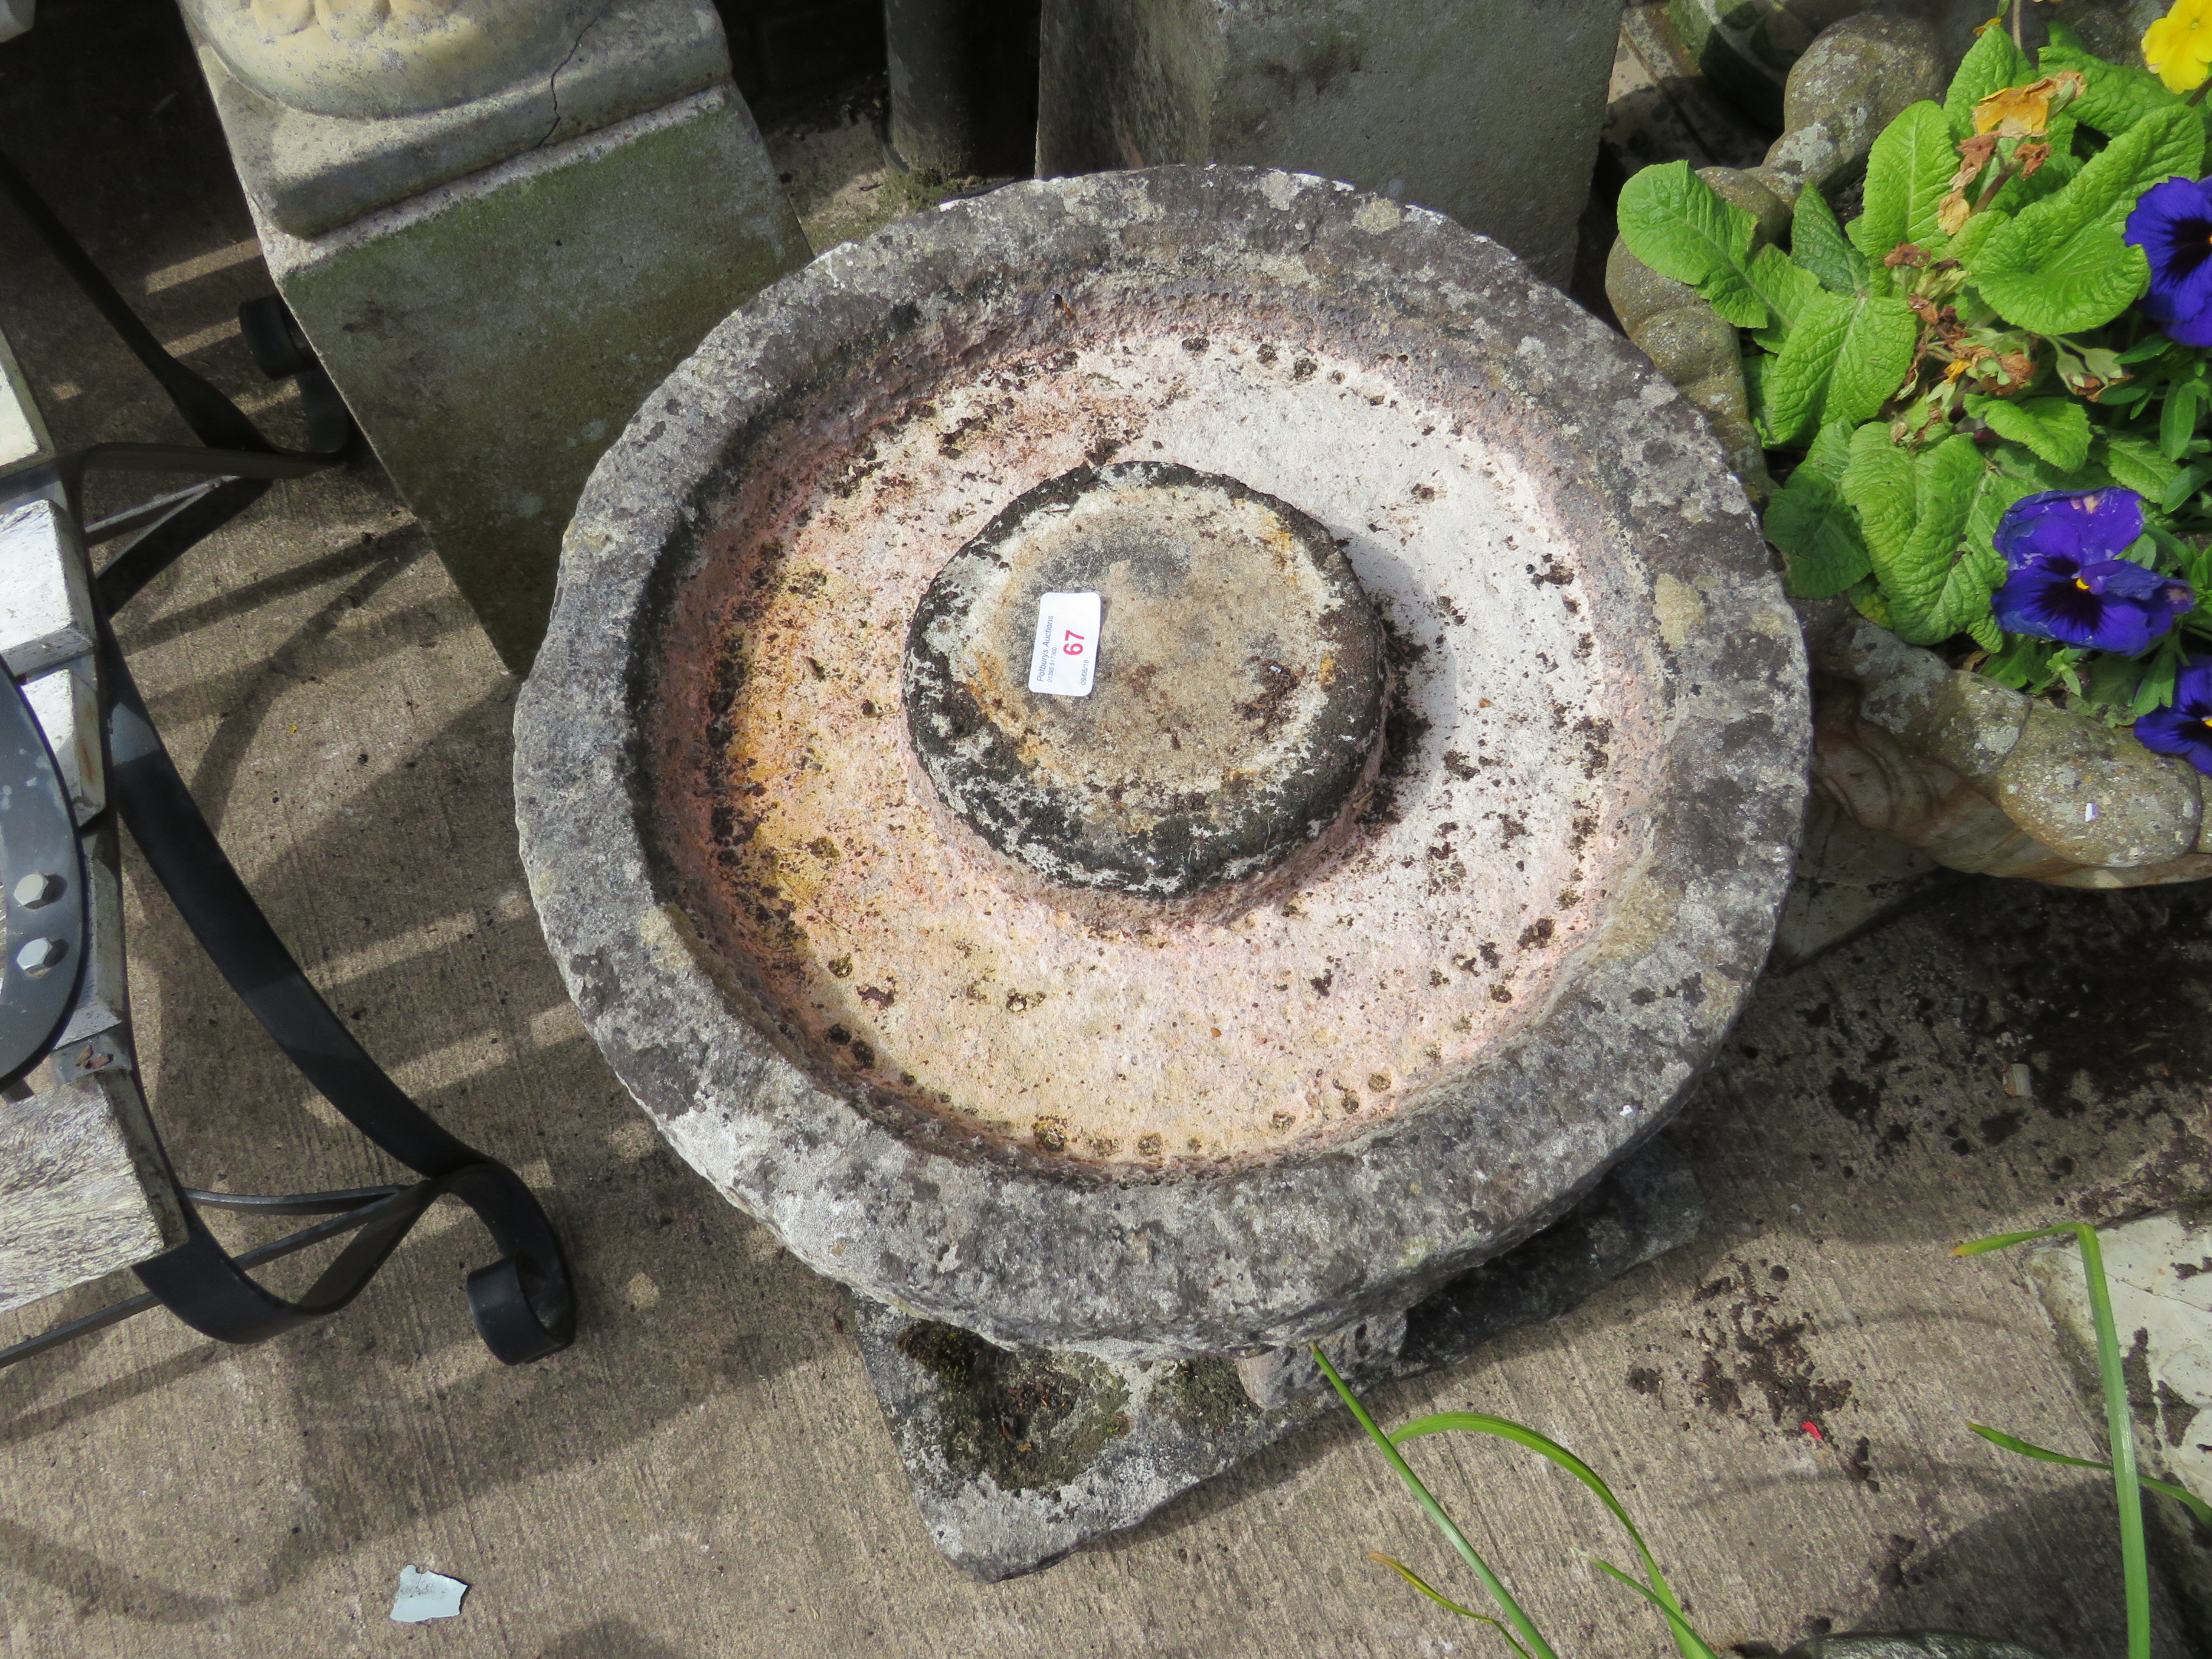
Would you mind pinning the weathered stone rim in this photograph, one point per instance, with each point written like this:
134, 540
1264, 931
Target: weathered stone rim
1264, 1255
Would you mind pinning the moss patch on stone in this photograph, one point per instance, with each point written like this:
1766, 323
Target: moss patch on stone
1031, 1418
1205, 1396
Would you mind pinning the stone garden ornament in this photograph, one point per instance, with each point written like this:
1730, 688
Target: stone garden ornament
387, 57
1987, 391
1155, 763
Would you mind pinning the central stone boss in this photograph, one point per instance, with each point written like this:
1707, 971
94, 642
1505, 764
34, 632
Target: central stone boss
1237, 707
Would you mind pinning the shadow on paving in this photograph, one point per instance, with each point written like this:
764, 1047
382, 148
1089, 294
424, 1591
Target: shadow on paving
681, 1295
1897, 1051
609, 1638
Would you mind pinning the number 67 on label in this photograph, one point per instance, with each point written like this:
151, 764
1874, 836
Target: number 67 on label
1065, 658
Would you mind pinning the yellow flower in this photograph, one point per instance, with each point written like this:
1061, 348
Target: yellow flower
2180, 46
2024, 111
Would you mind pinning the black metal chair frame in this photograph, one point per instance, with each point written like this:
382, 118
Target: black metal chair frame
522, 1304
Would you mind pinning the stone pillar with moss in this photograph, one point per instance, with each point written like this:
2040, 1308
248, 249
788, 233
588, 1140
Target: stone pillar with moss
500, 225
1485, 110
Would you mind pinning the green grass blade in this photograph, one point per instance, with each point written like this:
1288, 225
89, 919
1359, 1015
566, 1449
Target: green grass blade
2005, 1241
2181, 1495
2029, 1449
1692, 1642
1443, 1600
1521, 1435
2119, 1424
1538, 1647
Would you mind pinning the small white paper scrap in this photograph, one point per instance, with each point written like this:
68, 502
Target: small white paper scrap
426, 1595
1066, 657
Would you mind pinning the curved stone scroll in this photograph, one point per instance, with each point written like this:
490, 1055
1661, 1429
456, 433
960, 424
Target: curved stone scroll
386, 57
1987, 780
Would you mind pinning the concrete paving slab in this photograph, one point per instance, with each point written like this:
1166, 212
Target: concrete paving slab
706, 1473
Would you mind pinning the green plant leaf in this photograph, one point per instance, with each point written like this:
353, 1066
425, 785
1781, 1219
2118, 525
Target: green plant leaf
1817, 243
2062, 265
1908, 173
2118, 95
1876, 356
2119, 1420
2178, 487
1786, 288
1866, 598
1912, 512
2164, 143
2017, 461
1815, 527
1992, 63
1521, 1435
1818, 535
2120, 688
1844, 360
2188, 1499
1672, 220
2058, 167
1794, 386
2061, 284
2177, 421
1997, 490
2056, 428
1537, 1647
2024, 663
1830, 454
1687, 1639
1974, 235
1443, 1600
1979, 570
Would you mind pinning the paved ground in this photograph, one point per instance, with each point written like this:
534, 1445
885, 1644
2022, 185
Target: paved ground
705, 1474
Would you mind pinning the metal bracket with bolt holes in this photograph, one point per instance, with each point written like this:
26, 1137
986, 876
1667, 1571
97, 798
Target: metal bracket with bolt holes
86, 1187
43, 890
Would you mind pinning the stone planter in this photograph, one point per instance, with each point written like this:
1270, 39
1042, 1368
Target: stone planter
1985, 780
935, 1000
1907, 1644
1980, 778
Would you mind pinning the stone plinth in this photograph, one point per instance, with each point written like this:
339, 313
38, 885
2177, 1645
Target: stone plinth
1139, 1133
1019, 1456
369, 57
1487, 111
495, 286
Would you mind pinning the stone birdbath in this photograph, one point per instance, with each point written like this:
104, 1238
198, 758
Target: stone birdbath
1418, 830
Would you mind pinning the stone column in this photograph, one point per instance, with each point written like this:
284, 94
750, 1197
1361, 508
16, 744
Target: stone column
964, 86
1486, 110
500, 225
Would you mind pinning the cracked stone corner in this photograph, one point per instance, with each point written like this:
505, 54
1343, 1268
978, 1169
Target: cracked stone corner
2159, 1272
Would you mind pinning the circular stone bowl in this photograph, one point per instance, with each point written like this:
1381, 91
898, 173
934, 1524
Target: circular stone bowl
906, 1056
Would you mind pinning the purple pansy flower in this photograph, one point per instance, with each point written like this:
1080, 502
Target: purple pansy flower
2184, 725
2172, 223
2067, 580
